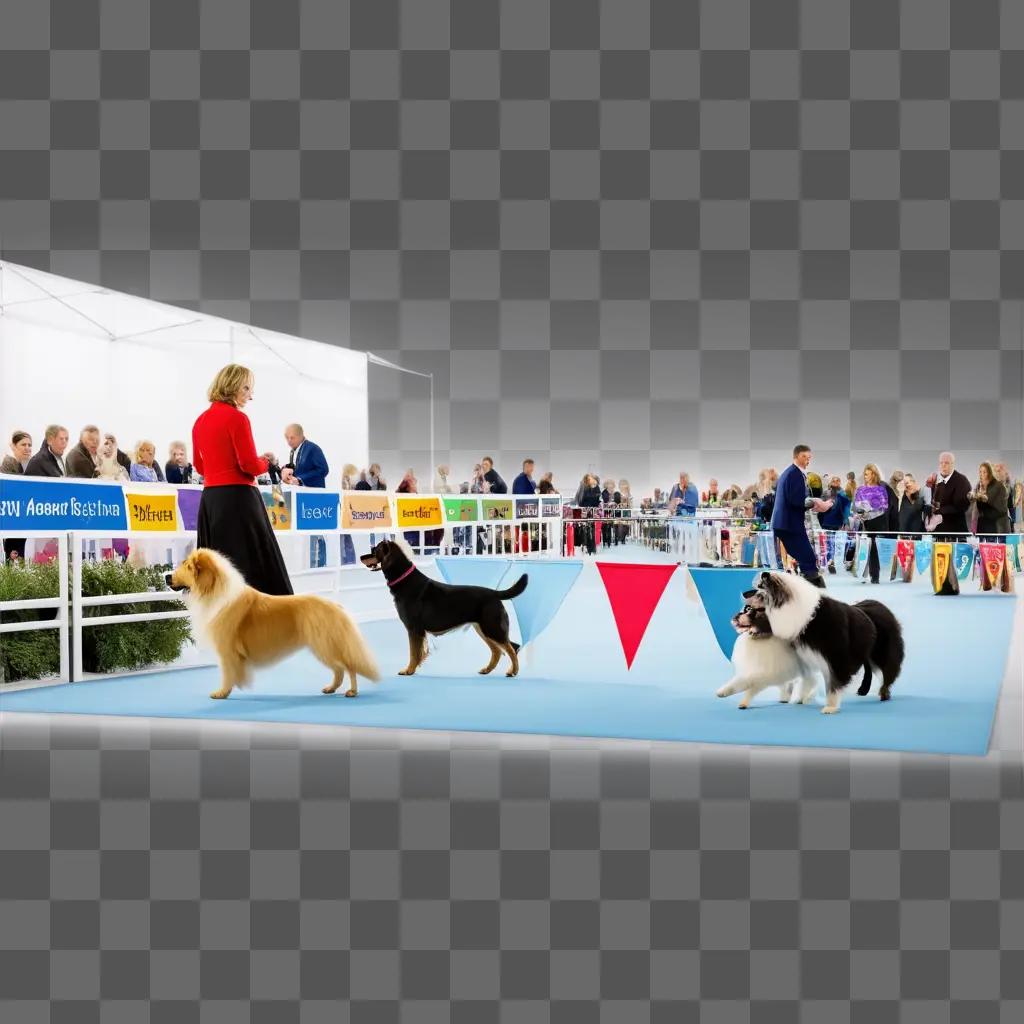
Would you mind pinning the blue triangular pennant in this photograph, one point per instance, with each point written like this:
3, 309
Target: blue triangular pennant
721, 593
549, 584
473, 572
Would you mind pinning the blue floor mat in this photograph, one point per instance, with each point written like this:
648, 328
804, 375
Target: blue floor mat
574, 682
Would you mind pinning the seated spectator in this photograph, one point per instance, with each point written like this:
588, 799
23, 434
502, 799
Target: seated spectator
178, 468
362, 484
523, 484
478, 485
546, 485
83, 460
497, 485
684, 497
49, 460
590, 493
144, 468
441, 483
408, 484
110, 467
375, 478
21, 453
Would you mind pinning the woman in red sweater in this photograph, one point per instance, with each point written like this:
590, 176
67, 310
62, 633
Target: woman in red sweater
232, 517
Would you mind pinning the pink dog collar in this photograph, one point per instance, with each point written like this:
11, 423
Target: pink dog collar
402, 577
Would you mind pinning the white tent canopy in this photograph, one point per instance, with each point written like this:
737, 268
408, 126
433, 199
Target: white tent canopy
74, 353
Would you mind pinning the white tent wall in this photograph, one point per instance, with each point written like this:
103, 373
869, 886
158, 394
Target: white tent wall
60, 366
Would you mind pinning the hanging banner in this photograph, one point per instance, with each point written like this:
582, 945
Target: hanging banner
767, 552
497, 508
863, 554
944, 579
633, 593
30, 503
316, 509
536, 606
963, 560
527, 508
461, 510
418, 513
995, 573
721, 594
278, 503
923, 548
473, 572
365, 511
550, 508
886, 557
905, 558
188, 507
152, 513
1013, 557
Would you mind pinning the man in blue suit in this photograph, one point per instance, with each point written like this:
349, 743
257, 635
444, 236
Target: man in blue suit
306, 465
792, 500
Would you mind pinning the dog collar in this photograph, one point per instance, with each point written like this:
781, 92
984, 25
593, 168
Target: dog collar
402, 577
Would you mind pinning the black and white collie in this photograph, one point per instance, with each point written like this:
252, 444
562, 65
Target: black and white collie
832, 637
759, 658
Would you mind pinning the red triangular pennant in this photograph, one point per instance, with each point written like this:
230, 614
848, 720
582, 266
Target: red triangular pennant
633, 592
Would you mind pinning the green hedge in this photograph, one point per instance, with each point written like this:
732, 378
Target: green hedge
113, 648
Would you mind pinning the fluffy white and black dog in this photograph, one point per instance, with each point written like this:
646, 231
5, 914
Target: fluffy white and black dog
760, 658
832, 637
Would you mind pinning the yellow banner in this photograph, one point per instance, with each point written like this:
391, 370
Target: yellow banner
152, 512
418, 513
365, 511
942, 556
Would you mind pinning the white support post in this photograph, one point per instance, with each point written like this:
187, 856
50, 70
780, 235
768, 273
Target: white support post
64, 615
76, 608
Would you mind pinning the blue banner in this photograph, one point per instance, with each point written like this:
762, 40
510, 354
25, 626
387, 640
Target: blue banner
721, 593
473, 572
963, 560
45, 504
923, 554
886, 555
316, 509
548, 586
863, 554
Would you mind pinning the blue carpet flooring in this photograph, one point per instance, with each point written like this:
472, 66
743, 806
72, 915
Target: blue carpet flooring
574, 682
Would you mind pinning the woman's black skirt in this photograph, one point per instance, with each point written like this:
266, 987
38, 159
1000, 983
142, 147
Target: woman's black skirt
233, 520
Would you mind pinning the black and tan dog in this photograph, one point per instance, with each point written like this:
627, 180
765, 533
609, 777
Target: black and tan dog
426, 606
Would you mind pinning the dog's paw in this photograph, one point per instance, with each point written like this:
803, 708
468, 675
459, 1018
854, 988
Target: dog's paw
327, 689
885, 696
220, 694
351, 693
827, 710
743, 705
404, 672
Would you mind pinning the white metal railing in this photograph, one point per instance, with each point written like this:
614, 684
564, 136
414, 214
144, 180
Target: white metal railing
60, 623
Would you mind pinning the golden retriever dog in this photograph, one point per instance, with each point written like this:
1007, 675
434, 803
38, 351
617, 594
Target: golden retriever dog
248, 628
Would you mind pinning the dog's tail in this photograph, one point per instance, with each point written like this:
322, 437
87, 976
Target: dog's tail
516, 589
888, 650
336, 639
515, 646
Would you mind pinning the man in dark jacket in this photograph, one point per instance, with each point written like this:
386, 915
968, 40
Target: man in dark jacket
49, 460
82, 460
523, 484
498, 486
951, 498
792, 500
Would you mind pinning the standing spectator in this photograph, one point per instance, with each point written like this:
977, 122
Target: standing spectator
49, 460
363, 484
876, 517
82, 461
348, 477
1002, 474
497, 485
710, 496
992, 499
546, 485
590, 496
144, 468
851, 484
911, 506
306, 465
478, 484
178, 469
523, 484
375, 478
792, 499
110, 467
21, 454
951, 498
14, 464
408, 484
837, 516
232, 516
684, 497
441, 483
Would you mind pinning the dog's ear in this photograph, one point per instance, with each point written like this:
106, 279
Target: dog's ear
748, 594
201, 565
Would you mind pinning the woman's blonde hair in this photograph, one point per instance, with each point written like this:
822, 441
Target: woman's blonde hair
228, 383
139, 445
872, 468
